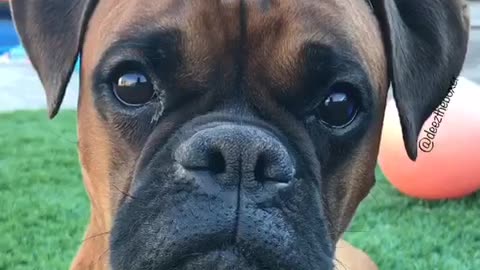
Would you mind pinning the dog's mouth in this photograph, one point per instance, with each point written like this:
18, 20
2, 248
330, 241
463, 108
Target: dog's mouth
205, 237
231, 259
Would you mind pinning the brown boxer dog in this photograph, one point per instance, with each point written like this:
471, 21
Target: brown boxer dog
230, 134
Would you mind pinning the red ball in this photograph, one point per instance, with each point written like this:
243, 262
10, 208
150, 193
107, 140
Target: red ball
448, 162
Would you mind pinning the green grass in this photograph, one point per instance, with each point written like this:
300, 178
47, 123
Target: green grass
44, 208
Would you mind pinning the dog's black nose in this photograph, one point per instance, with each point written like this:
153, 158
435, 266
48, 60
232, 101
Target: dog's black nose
235, 152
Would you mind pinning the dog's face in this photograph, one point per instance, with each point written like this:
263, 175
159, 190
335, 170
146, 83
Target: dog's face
238, 134
261, 113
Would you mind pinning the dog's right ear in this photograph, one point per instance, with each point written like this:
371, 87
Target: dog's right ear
52, 33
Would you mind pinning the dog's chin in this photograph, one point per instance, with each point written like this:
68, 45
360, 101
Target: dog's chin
216, 260
230, 259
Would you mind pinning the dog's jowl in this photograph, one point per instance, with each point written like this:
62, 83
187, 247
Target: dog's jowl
236, 134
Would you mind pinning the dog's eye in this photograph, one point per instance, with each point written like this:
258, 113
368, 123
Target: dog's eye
133, 89
338, 109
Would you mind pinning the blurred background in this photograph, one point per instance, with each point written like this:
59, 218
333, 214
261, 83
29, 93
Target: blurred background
44, 208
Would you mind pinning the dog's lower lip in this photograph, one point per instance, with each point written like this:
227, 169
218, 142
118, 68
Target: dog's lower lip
221, 259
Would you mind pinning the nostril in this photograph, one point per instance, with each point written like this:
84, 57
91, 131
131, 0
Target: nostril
200, 159
275, 166
216, 162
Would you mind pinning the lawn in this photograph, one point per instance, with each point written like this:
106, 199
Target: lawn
44, 208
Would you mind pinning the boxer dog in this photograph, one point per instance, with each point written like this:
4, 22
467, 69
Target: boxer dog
236, 134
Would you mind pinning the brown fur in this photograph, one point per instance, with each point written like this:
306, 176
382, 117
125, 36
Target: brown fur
268, 63
276, 30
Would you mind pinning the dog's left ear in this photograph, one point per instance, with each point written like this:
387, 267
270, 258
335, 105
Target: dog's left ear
426, 42
51, 32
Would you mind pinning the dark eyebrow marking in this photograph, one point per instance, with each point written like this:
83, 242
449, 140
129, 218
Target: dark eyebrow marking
322, 63
326, 65
159, 48
156, 44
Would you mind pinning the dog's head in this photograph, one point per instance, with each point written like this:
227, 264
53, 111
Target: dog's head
222, 134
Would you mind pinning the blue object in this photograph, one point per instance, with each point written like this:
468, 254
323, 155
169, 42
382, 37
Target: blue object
9, 42
8, 36
77, 65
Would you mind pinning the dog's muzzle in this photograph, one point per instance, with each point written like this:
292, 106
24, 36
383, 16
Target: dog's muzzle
224, 196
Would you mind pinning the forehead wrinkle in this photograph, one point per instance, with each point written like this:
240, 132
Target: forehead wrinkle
112, 19
212, 26
136, 36
276, 38
120, 17
209, 31
360, 31
364, 31
211, 37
